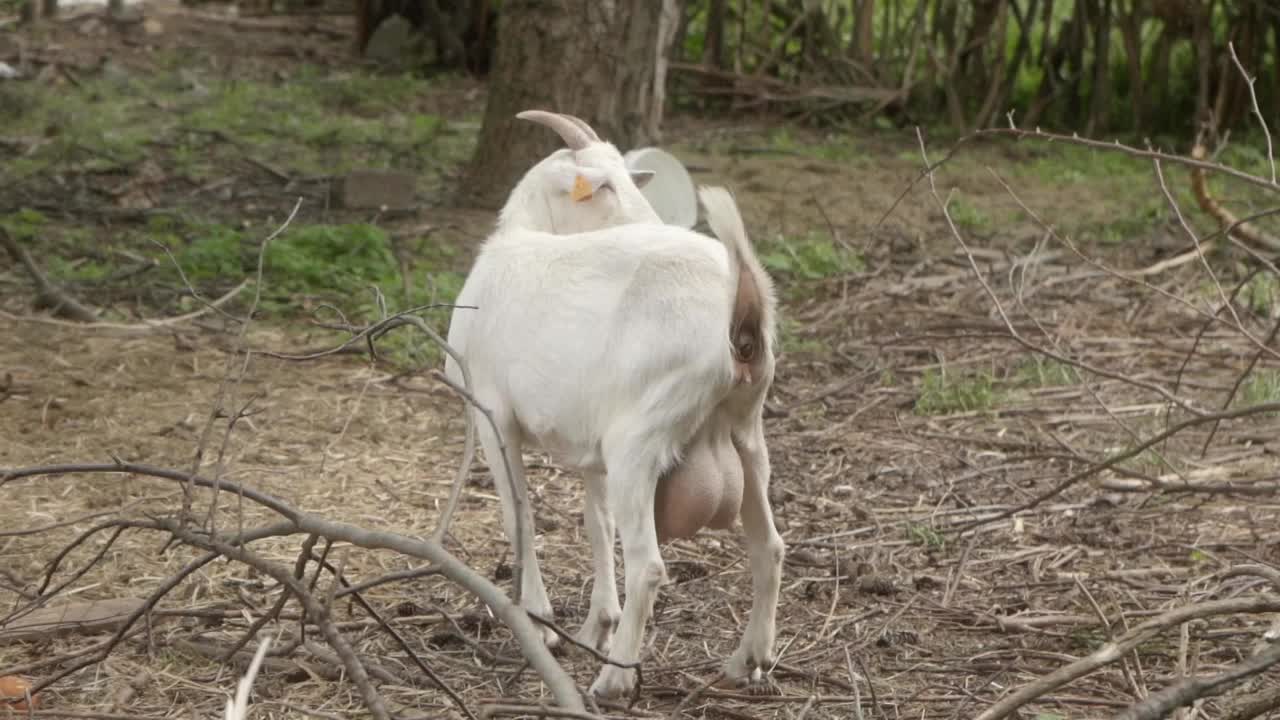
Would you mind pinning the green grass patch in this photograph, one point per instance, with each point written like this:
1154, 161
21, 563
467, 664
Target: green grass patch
1262, 387
1059, 164
791, 339
1262, 293
24, 224
813, 256
1045, 372
310, 265
307, 124
1128, 225
967, 216
944, 393
925, 535
93, 127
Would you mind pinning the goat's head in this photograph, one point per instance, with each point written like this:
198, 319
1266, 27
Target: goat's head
586, 186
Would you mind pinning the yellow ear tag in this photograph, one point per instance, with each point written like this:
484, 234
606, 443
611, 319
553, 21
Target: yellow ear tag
581, 189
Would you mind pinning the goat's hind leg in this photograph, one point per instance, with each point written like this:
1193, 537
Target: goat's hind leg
765, 551
533, 594
605, 612
630, 487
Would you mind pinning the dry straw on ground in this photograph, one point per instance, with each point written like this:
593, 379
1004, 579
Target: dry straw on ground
1103, 542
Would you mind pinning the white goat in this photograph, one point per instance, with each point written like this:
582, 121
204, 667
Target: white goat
639, 354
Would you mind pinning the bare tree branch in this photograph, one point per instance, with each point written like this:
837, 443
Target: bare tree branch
1112, 651
1187, 690
46, 292
527, 634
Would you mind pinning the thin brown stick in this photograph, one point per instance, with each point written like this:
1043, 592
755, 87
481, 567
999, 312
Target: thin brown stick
46, 291
526, 633
217, 406
1186, 691
1009, 326
146, 325
316, 610
1112, 651
1253, 97
435, 677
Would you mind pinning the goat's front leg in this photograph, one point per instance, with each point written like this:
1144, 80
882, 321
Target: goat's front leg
533, 594
605, 612
765, 550
630, 491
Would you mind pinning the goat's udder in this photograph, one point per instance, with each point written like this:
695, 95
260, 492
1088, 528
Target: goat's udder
703, 490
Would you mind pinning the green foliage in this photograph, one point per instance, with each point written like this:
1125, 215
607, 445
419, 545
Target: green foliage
217, 252
1087, 639
25, 224
1263, 386
316, 124
834, 148
792, 340
90, 126
925, 535
942, 393
1147, 462
1262, 293
1063, 164
336, 264
810, 257
768, 40
1045, 372
968, 216
1128, 227
330, 257
308, 124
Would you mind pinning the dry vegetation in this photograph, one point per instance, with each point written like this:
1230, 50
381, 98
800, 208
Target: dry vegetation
1001, 447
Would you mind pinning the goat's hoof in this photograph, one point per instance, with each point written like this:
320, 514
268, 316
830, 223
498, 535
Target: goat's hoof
614, 682
551, 639
598, 632
756, 682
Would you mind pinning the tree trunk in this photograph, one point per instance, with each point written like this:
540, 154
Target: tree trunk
713, 47
1025, 22
1131, 32
993, 102
597, 59
1202, 38
1100, 101
1161, 56
864, 32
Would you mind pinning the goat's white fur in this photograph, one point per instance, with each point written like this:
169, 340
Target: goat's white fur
541, 200
602, 336
238, 709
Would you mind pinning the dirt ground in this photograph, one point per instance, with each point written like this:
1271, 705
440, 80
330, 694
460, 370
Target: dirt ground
893, 604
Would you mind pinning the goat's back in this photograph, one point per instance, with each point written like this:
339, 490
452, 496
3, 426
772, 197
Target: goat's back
604, 332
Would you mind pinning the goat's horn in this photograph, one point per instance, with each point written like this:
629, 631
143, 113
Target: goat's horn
573, 134
582, 124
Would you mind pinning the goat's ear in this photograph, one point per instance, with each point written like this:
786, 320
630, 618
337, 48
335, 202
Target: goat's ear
580, 183
642, 177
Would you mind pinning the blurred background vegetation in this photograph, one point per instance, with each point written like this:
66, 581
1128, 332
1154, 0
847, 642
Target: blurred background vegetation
1140, 67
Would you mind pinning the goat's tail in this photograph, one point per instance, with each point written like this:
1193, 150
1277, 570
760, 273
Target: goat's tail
750, 287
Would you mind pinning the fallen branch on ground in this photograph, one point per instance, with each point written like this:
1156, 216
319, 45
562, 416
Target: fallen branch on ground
47, 293
1124, 644
1159, 704
562, 687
